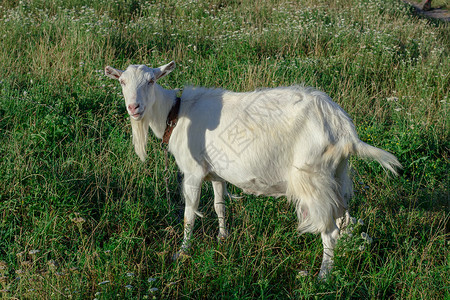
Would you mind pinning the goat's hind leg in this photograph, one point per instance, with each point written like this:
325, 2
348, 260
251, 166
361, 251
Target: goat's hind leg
329, 240
220, 189
346, 191
318, 205
330, 236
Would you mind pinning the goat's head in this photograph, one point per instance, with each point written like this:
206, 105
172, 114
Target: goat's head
138, 82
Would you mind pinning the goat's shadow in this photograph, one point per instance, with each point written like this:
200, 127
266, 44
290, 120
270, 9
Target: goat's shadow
204, 115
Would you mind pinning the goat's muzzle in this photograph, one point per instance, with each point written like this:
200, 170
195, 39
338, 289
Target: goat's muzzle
134, 111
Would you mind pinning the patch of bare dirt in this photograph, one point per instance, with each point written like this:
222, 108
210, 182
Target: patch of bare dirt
433, 13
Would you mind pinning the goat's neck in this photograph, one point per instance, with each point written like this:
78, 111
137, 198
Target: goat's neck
157, 115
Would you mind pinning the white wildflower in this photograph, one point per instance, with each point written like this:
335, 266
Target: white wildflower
78, 220
52, 264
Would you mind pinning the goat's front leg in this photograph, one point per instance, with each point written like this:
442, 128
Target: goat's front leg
220, 189
191, 192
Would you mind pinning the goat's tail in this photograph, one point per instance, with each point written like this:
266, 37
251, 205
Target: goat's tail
387, 160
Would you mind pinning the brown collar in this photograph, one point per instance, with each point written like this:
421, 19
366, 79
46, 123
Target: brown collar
171, 122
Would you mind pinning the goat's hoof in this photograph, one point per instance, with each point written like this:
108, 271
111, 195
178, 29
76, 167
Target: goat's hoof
222, 236
180, 255
323, 275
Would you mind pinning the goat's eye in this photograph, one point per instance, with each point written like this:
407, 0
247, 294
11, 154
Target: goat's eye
122, 82
151, 81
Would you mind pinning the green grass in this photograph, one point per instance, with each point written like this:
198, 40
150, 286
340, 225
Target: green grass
72, 187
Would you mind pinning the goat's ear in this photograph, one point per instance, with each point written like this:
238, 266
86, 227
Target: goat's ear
112, 73
164, 70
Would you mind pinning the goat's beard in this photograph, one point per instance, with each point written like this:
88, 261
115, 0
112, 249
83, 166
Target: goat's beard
139, 129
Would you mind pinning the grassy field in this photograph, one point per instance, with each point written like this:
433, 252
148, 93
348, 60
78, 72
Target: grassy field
81, 217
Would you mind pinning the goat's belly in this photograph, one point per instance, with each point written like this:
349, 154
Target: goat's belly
258, 187
255, 186
252, 182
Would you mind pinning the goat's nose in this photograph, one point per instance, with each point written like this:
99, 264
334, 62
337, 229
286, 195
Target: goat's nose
132, 107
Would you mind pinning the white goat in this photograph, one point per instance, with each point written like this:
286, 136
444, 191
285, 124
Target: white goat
287, 141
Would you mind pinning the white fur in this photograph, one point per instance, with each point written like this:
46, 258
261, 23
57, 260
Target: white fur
288, 141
